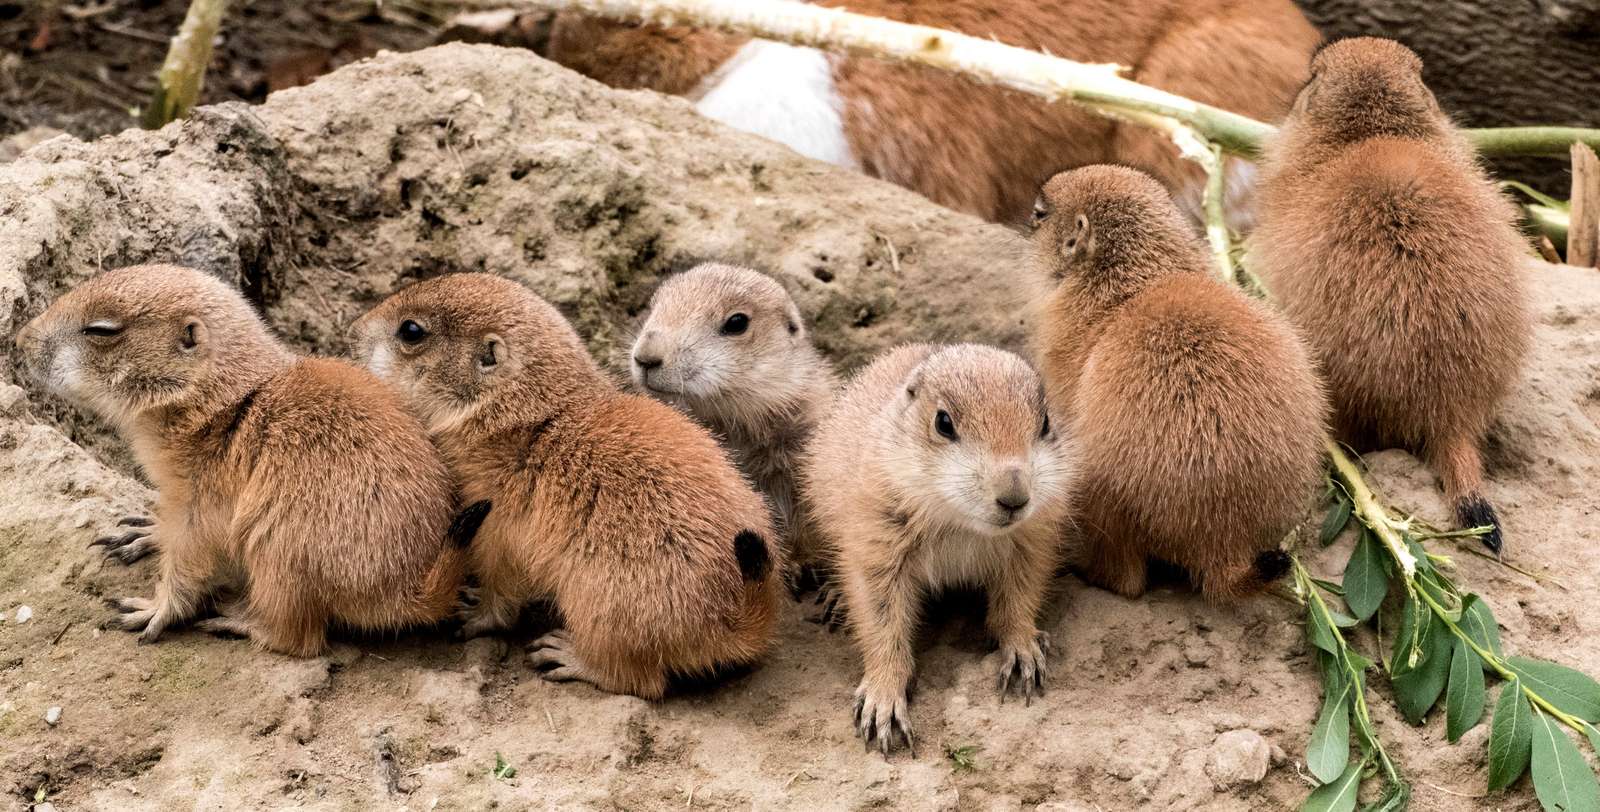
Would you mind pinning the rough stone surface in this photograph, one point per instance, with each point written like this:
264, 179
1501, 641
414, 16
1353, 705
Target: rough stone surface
1238, 757
324, 199
1492, 63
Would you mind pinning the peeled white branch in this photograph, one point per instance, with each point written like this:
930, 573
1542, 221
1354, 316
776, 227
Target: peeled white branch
1097, 87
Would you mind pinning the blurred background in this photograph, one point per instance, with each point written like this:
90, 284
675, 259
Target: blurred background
81, 66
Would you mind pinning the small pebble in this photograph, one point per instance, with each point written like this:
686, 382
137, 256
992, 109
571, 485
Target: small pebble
52, 717
24, 614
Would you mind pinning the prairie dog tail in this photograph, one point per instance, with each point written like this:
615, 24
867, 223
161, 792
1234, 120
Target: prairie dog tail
466, 523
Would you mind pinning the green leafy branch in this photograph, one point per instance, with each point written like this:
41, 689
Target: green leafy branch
1447, 639
1344, 710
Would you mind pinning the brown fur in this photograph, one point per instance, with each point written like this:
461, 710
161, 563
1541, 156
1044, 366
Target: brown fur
1390, 247
302, 481
618, 508
908, 511
671, 60
981, 149
1198, 415
763, 390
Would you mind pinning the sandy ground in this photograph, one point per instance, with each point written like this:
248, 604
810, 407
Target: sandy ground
325, 198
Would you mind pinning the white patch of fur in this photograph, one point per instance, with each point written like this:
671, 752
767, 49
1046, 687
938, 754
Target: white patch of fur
65, 373
381, 359
782, 92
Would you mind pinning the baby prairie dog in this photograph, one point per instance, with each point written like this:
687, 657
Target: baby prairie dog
1398, 258
728, 345
1197, 412
618, 508
302, 481
936, 467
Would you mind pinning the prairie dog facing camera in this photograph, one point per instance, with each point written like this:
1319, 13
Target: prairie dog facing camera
727, 344
1398, 257
657, 554
1196, 410
938, 467
302, 481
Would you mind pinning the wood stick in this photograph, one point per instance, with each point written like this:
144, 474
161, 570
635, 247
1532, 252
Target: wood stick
1583, 235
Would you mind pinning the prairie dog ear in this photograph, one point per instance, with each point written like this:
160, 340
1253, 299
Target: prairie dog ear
1077, 244
492, 354
913, 388
193, 336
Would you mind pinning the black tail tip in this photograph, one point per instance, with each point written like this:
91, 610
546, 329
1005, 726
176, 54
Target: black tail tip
754, 559
1473, 510
1272, 565
466, 523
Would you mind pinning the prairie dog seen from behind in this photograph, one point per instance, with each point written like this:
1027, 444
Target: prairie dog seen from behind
302, 481
1394, 252
938, 467
657, 554
1197, 412
728, 345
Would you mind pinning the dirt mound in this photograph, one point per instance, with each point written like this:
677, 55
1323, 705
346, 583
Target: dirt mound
324, 199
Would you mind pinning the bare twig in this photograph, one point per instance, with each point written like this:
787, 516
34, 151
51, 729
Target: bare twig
178, 83
1583, 234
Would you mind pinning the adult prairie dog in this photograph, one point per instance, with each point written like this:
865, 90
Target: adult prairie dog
657, 554
972, 147
1398, 258
302, 481
1198, 415
727, 344
938, 467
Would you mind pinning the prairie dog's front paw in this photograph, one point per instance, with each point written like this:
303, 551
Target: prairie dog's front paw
883, 715
1022, 667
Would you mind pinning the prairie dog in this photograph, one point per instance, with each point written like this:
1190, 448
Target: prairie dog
1198, 414
1398, 258
727, 344
303, 481
936, 467
618, 508
978, 149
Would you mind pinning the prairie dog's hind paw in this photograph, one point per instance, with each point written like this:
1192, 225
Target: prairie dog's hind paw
132, 545
554, 658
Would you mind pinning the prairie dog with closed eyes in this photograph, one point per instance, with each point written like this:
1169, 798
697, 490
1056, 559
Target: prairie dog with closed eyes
301, 481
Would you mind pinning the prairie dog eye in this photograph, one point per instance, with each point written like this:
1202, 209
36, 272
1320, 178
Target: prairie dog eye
736, 324
102, 329
1041, 213
945, 426
1045, 430
411, 332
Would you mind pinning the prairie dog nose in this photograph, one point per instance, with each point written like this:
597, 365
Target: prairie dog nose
647, 351
1013, 492
24, 338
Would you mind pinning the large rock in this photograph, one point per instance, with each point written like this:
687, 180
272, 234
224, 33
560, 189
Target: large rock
326, 198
